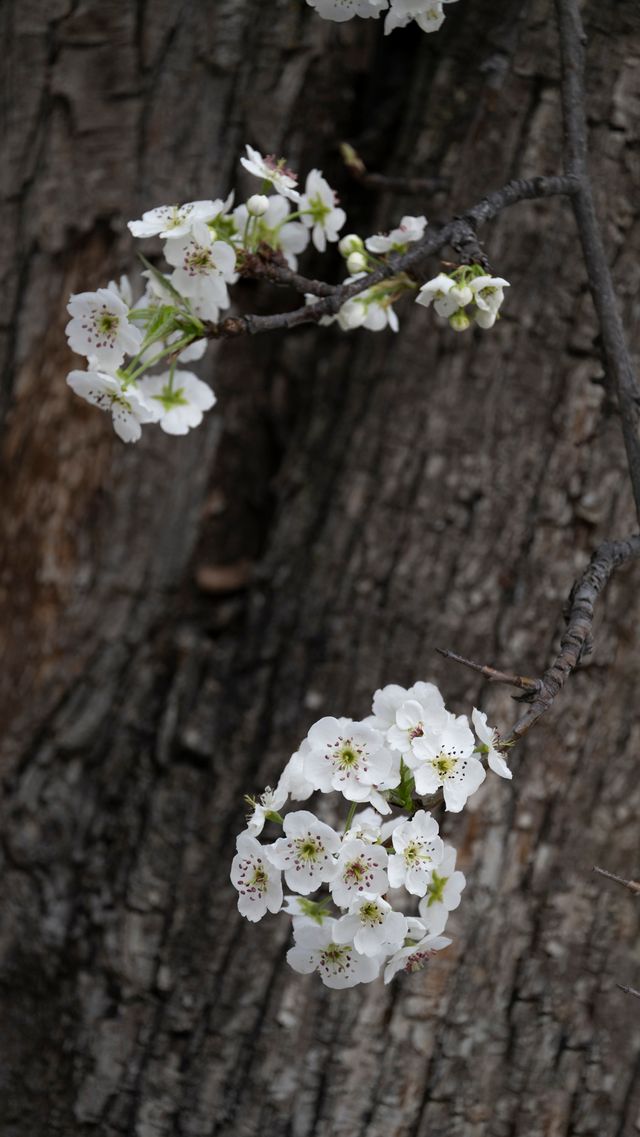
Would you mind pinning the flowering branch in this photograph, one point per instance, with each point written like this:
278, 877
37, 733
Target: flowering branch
458, 232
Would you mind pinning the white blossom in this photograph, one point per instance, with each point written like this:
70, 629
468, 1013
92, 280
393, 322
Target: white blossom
415, 716
257, 881
258, 204
445, 758
100, 328
171, 221
487, 736
347, 756
178, 401
418, 848
350, 243
339, 965
319, 210
415, 957
128, 406
203, 267
410, 229
488, 292
290, 237
361, 867
488, 295
305, 911
372, 926
356, 262
437, 291
293, 777
272, 170
369, 309
403, 11
305, 852
122, 288
341, 10
271, 801
443, 893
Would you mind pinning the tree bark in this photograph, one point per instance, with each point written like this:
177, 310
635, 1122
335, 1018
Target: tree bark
177, 614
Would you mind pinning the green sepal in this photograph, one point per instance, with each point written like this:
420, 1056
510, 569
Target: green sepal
402, 795
162, 280
315, 909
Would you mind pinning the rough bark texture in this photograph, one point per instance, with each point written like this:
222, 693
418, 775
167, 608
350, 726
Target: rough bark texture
390, 495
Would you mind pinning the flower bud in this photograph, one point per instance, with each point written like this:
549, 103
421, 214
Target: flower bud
258, 204
484, 319
356, 262
459, 321
462, 294
352, 243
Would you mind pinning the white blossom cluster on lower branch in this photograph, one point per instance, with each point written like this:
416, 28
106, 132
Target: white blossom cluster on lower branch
350, 887
136, 349
428, 14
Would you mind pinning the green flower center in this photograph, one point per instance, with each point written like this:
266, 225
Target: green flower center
171, 399
107, 323
348, 757
260, 878
308, 849
318, 209
444, 764
435, 889
370, 913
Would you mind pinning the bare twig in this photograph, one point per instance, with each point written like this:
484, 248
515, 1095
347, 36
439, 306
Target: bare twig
492, 674
628, 990
632, 885
617, 361
457, 230
607, 557
386, 182
575, 641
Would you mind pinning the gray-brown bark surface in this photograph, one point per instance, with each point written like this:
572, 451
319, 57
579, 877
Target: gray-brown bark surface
391, 495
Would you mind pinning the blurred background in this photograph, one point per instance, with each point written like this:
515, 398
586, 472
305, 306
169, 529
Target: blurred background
175, 614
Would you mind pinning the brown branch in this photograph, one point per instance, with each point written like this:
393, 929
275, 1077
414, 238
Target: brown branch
617, 360
492, 674
269, 264
628, 990
576, 641
632, 885
607, 557
459, 229
386, 182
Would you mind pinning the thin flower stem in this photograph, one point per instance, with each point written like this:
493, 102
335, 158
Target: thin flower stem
173, 349
351, 815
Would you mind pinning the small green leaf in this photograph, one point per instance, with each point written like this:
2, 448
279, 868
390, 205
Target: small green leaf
162, 280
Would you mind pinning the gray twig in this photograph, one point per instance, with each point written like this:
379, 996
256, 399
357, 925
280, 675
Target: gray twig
617, 361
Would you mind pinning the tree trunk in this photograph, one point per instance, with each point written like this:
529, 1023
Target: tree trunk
369, 498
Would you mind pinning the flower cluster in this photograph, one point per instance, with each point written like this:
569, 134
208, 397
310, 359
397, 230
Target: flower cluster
428, 14
206, 245
345, 882
468, 287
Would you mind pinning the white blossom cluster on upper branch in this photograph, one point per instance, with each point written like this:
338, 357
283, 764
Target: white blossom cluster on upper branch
350, 887
428, 14
136, 349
